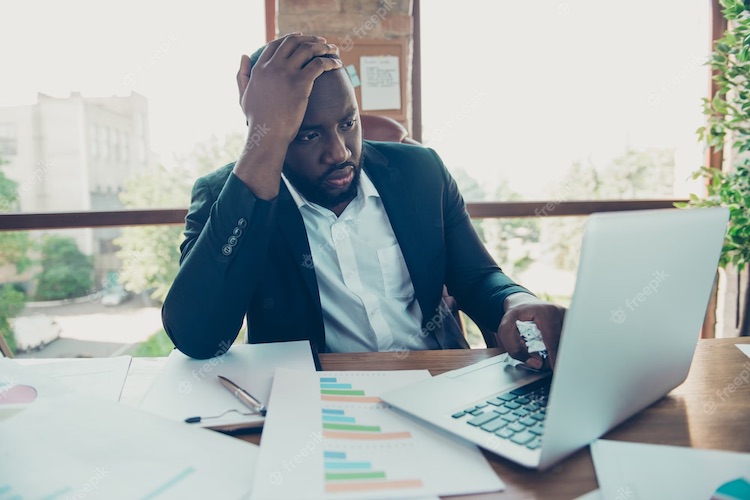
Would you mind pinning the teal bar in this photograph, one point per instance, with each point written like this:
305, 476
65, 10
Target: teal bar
327, 379
334, 454
63, 492
335, 386
348, 465
329, 418
326, 411
179, 477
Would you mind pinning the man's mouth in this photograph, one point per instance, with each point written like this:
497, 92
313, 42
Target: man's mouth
340, 178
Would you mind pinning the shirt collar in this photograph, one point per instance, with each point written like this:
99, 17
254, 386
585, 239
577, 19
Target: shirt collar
366, 189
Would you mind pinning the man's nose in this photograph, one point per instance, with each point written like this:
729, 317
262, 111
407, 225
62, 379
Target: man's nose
336, 151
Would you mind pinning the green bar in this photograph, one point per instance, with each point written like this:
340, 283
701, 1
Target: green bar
332, 476
352, 427
353, 392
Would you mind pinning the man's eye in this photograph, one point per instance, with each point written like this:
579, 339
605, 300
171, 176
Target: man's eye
307, 137
348, 124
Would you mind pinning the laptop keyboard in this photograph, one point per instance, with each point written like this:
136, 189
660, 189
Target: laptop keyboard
517, 415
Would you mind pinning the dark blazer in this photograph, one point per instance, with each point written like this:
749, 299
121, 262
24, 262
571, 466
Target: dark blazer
247, 256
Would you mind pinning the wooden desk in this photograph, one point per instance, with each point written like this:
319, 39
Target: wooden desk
710, 410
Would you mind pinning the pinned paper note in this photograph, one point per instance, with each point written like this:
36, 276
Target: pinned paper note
381, 82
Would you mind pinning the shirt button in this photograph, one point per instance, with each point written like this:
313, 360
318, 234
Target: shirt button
232, 240
237, 232
242, 223
226, 250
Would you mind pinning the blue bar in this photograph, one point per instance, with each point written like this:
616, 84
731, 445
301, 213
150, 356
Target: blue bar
335, 386
334, 454
327, 379
331, 418
348, 465
327, 411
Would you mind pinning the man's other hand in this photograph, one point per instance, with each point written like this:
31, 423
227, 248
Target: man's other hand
548, 318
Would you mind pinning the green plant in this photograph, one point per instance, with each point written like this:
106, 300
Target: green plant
728, 128
66, 271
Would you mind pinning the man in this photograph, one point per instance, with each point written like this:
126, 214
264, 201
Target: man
316, 234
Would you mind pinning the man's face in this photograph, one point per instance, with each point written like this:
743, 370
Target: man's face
324, 160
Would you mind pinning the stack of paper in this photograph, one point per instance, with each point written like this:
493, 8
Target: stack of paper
62, 444
188, 387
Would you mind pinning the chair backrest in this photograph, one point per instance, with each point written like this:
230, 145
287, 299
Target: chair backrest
384, 128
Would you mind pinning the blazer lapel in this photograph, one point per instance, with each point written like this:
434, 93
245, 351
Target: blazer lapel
399, 205
292, 227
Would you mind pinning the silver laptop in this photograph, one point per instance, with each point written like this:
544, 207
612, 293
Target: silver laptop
643, 285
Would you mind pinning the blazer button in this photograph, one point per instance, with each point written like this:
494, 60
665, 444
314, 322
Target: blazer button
232, 240
226, 250
237, 232
242, 223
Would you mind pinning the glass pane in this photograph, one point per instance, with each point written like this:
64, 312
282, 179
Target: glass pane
90, 100
566, 100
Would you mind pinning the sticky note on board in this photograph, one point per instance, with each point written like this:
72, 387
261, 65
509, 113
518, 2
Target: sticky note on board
353, 75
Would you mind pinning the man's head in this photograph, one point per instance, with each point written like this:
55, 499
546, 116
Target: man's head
324, 160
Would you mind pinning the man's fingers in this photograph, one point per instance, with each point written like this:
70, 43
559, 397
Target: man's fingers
510, 338
319, 65
294, 43
243, 75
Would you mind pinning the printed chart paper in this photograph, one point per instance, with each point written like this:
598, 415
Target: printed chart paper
328, 435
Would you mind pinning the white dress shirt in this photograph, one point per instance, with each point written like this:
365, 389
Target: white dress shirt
366, 292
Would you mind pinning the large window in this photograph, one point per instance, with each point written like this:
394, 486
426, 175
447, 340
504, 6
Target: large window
102, 106
571, 99
562, 101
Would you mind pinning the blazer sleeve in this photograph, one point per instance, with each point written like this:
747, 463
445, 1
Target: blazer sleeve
472, 275
222, 256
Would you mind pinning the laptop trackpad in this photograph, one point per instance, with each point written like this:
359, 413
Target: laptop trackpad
492, 376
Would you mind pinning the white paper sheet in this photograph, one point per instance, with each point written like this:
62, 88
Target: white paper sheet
635, 470
328, 435
78, 447
189, 387
100, 377
381, 82
745, 348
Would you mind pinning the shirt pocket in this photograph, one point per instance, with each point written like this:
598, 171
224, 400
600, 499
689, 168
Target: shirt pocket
396, 280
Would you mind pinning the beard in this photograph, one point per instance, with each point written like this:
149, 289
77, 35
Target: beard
316, 192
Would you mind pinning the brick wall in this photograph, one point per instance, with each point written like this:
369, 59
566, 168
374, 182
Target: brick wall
355, 19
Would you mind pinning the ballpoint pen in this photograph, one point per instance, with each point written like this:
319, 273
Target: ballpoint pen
245, 397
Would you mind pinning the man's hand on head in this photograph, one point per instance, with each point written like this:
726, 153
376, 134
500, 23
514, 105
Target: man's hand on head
273, 94
548, 318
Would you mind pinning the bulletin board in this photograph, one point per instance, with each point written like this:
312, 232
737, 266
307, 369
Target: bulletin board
381, 96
